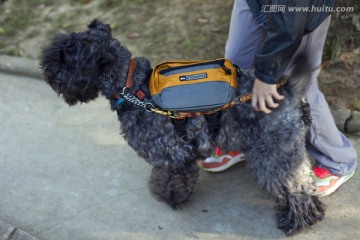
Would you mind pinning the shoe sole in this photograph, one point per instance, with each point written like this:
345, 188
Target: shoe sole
232, 161
336, 186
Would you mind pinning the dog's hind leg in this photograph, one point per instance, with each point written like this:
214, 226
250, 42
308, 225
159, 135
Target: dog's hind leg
174, 186
280, 165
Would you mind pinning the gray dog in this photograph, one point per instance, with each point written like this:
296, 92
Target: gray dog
79, 66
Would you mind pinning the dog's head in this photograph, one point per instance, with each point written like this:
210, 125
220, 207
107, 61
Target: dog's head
73, 64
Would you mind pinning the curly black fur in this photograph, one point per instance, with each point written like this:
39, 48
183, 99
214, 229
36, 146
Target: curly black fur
79, 66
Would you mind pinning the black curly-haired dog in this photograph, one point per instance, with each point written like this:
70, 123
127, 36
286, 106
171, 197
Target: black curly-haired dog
79, 66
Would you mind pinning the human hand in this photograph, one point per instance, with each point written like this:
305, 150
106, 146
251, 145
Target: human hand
263, 94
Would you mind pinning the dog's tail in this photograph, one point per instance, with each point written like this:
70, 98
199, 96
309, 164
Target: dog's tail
300, 77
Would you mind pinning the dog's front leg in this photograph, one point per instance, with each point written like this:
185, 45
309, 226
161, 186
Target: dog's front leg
174, 186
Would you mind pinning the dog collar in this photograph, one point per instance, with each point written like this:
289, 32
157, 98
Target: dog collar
129, 79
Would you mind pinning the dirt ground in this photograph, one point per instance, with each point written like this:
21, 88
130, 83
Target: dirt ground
172, 29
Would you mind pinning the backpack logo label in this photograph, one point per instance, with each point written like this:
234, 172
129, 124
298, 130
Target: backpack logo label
193, 77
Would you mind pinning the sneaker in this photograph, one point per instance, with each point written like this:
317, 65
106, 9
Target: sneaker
221, 161
326, 182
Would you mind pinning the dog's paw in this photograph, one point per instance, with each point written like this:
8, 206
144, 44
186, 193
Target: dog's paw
180, 191
176, 201
285, 224
173, 188
300, 214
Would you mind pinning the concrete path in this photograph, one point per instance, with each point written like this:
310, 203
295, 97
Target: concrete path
66, 173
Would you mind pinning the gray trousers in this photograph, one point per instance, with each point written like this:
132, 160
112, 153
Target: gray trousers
329, 147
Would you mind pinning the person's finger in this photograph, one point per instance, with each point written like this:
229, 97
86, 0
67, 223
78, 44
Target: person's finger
277, 96
262, 105
254, 103
270, 102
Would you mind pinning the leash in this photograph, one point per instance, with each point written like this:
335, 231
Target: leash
149, 107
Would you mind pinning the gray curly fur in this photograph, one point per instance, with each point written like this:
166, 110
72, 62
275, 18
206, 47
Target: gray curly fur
79, 66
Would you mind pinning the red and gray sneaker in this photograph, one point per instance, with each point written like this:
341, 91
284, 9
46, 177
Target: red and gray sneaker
220, 161
326, 182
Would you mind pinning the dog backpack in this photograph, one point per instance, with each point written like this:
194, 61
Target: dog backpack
193, 86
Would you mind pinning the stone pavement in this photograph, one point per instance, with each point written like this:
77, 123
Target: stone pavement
66, 173
10, 232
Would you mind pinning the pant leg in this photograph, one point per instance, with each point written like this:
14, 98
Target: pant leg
245, 34
330, 148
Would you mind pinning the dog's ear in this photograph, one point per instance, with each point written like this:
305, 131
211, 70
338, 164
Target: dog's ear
71, 66
97, 25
